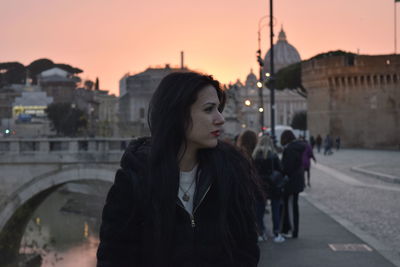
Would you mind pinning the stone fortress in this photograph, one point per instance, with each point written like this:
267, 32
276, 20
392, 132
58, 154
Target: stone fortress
356, 97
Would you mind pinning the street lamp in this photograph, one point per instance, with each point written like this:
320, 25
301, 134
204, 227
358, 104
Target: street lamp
271, 81
260, 82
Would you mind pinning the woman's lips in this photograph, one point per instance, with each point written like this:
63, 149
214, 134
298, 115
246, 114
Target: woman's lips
216, 133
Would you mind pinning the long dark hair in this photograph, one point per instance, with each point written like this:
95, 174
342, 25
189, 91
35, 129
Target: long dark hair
169, 118
287, 137
247, 141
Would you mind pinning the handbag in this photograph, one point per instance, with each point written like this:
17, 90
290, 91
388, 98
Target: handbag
276, 178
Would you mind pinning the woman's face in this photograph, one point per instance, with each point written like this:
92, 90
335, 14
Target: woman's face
206, 120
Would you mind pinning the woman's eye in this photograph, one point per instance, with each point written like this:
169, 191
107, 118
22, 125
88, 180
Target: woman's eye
208, 109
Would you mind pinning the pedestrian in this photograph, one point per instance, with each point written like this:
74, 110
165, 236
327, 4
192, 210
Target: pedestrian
293, 168
181, 197
247, 141
312, 142
306, 159
328, 143
266, 162
337, 142
318, 142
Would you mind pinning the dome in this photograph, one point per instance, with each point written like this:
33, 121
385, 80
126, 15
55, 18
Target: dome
284, 54
251, 79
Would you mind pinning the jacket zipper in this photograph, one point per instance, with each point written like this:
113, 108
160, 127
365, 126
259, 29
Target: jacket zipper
191, 215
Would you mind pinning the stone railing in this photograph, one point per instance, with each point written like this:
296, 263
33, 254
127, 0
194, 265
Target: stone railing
61, 149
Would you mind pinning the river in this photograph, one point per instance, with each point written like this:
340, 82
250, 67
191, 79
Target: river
64, 229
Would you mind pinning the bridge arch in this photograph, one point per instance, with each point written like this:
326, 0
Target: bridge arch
18, 208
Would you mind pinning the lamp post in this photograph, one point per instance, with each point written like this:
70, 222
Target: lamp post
261, 78
272, 78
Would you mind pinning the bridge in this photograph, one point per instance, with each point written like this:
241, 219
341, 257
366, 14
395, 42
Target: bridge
31, 169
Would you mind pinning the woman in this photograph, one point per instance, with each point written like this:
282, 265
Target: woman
308, 154
246, 142
181, 198
266, 161
293, 168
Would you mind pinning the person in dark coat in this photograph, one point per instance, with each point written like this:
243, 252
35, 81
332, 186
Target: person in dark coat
181, 198
328, 143
337, 142
308, 154
318, 142
266, 161
312, 142
293, 168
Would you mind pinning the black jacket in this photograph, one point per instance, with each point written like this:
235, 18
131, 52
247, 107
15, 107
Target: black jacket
125, 232
264, 169
292, 166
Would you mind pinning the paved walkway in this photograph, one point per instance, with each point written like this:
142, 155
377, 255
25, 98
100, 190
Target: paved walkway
380, 164
319, 235
327, 240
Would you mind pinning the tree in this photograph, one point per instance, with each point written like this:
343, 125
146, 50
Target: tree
12, 73
299, 120
97, 84
40, 65
15, 72
65, 119
290, 76
89, 85
68, 68
37, 66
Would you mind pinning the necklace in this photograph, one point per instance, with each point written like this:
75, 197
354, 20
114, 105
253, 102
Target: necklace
186, 196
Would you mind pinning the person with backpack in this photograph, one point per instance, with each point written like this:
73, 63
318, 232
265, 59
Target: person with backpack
269, 170
292, 168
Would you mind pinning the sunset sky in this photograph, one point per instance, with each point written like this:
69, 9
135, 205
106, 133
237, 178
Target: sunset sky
110, 38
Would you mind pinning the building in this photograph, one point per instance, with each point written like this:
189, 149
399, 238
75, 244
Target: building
59, 84
106, 113
247, 99
29, 118
284, 54
356, 97
135, 94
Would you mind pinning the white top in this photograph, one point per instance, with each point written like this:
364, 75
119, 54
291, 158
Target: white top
187, 184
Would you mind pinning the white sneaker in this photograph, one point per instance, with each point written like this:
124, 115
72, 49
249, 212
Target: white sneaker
279, 239
265, 236
286, 235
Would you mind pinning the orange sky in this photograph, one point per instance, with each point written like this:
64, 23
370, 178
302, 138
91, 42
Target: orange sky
110, 38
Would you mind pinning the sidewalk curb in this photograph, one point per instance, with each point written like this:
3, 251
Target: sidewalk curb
378, 175
387, 253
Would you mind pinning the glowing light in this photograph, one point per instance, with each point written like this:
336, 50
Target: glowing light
267, 74
7, 131
85, 230
247, 102
37, 220
259, 84
261, 110
244, 125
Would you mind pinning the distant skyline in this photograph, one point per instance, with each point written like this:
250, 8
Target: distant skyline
110, 38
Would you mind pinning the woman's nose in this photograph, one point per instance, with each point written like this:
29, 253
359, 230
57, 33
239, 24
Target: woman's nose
219, 119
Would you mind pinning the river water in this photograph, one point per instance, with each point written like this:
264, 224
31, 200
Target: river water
64, 229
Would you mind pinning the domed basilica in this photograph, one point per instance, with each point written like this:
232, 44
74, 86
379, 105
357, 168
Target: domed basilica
242, 111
